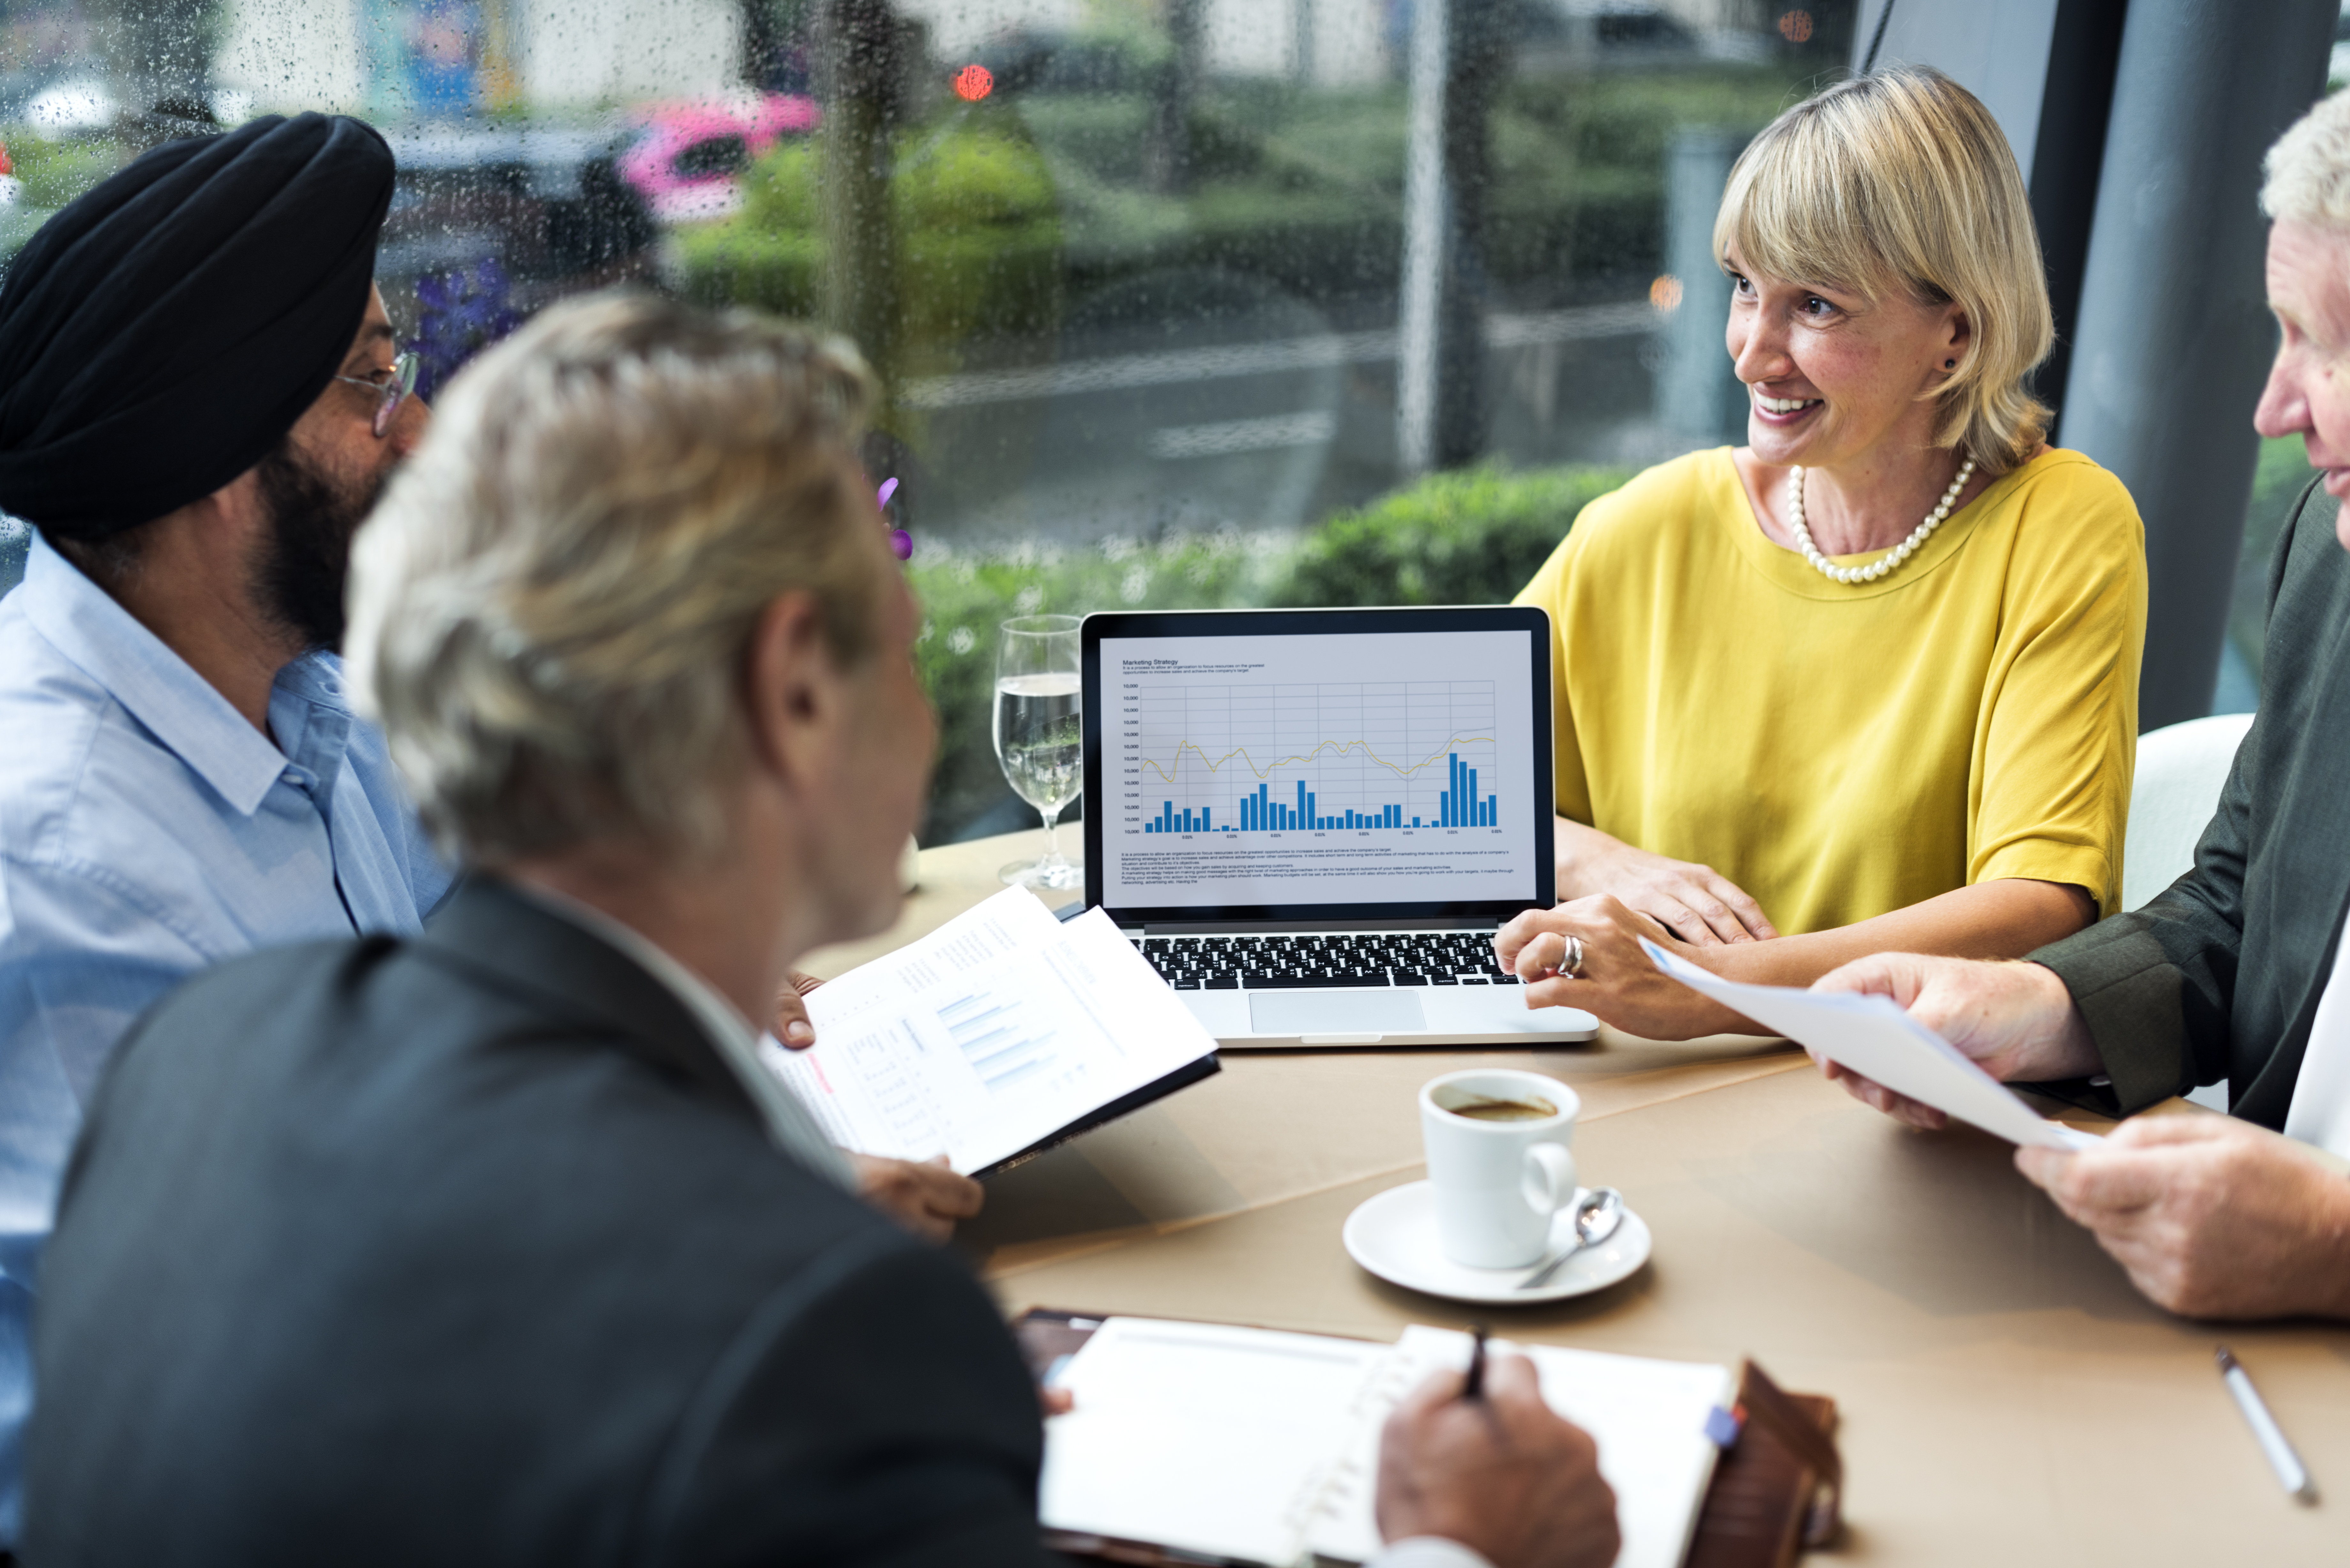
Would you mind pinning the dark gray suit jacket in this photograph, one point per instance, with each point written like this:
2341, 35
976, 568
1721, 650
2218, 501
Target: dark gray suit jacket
2217, 977
470, 1250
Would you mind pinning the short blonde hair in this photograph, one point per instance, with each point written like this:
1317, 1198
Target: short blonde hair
1901, 180
2308, 170
552, 609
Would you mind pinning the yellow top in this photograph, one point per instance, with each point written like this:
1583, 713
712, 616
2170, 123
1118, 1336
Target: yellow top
1842, 751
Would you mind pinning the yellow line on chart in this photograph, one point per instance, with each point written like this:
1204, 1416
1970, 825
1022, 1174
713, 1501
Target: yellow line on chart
1168, 775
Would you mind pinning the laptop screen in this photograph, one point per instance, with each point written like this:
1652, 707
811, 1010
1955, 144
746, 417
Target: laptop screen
1253, 764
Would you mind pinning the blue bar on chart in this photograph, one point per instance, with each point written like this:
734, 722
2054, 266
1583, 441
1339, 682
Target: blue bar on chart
1459, 806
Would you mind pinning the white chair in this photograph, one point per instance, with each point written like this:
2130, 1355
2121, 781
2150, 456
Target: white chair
2180, 770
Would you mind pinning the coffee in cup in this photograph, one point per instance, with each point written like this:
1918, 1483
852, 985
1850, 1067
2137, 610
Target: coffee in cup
1498, 1160
1478, 1108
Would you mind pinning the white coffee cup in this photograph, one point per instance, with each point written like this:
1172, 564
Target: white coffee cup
1498, 1183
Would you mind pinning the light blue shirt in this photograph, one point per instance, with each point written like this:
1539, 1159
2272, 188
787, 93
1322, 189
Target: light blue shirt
148, 831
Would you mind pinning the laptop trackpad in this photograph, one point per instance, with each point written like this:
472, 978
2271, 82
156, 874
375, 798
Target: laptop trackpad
1336, 1012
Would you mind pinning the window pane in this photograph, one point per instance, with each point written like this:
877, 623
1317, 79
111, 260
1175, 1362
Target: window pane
1153, 291
2277, 484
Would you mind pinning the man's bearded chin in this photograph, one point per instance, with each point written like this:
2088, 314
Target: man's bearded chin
305, 556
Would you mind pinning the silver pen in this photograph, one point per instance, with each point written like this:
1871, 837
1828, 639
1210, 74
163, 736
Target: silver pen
2273, 1442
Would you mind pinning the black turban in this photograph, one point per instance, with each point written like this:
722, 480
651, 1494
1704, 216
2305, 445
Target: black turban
162, 333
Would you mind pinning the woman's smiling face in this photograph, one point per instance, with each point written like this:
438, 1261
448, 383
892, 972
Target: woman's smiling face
1832, 376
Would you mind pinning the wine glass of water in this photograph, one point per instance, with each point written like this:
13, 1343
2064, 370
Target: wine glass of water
1039, 733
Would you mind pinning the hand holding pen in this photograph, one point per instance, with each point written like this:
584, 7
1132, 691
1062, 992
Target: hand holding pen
1478, 1458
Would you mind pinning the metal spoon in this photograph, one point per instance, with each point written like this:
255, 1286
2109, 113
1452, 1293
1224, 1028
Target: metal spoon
1596, 1218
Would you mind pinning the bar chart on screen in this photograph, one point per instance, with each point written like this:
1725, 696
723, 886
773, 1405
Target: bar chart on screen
1247, 759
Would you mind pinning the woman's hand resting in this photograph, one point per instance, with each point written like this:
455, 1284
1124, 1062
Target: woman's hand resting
1615, 980
1695, 903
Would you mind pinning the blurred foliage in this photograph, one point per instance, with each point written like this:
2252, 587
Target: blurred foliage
1465, 538
2283, 473
1307, 189
1006, 208
979, 245
770, 254
1473, 537
979, 238
966, 597
1578, 174
54, 172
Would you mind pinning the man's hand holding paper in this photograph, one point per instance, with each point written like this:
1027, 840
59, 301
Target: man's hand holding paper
1871, 1036
2016, 1020
2212, 1217
2207, 1213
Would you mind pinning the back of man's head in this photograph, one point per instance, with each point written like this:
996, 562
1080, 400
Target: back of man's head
552, 610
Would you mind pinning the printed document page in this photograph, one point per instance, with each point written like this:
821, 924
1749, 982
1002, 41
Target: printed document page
1648, 1417
1209, 1439
986, 1038
1876, 1038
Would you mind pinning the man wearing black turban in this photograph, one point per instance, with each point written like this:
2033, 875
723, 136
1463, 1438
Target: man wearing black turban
198, 403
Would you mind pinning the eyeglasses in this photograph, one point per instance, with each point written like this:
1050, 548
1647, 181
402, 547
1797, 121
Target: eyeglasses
395, 387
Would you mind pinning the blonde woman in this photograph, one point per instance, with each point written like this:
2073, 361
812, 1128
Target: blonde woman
1868, 682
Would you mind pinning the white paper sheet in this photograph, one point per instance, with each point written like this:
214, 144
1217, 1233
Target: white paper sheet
987, 1037
1211, 1439
1876, 1038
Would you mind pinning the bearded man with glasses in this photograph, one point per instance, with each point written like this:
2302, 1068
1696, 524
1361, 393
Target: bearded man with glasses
199, 402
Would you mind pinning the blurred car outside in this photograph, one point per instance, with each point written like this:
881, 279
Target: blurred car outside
688, 160
73, 106
547, 204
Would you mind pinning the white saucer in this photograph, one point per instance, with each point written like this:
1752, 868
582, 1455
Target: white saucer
1394, 1236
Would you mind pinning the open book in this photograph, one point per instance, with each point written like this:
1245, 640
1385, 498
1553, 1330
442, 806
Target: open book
998, 1035
1246, 1446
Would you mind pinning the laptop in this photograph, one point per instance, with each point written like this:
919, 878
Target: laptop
1312, 822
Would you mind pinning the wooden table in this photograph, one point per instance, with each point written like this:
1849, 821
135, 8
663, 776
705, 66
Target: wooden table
2007, 1397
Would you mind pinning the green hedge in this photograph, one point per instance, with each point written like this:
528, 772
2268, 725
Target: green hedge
979, 240
54, 172
1467, 538
1471, 537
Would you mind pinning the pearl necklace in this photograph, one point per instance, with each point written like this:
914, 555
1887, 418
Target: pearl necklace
1902, 552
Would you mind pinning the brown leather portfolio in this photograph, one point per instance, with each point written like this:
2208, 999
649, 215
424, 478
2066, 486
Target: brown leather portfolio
1775, 1490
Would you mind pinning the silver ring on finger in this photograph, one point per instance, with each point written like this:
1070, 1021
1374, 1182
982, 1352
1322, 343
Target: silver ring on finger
1573, 967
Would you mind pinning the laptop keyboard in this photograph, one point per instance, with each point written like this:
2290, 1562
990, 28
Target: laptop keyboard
1325, 961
